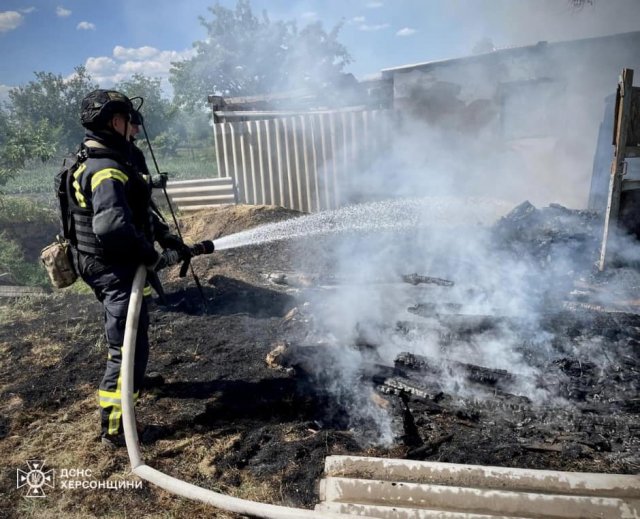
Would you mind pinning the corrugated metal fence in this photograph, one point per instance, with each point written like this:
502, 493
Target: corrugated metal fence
303, 161
193, 195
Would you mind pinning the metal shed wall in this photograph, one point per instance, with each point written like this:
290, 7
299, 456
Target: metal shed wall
302, 162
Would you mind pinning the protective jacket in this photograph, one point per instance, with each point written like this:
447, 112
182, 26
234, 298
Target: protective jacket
114, 229
113, 220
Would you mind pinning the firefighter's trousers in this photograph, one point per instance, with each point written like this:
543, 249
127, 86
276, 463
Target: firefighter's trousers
112, 286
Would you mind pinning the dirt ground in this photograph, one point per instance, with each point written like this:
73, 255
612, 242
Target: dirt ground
218, 416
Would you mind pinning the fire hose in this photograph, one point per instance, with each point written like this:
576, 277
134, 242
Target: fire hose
169, 483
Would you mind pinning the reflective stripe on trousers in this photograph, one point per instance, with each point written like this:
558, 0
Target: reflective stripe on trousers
112, 287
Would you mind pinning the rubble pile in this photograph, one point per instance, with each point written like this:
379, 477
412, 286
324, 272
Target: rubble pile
570, 401
542, 234
587, 417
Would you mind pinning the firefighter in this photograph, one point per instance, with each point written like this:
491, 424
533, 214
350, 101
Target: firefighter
157, 181
114, 232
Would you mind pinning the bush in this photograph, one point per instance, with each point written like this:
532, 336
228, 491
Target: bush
12, 261
18, 209
14, 214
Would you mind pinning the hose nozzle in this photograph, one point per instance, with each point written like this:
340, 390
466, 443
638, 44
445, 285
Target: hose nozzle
204, 247
197, 249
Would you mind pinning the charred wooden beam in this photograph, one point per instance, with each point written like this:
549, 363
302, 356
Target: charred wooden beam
473, 372
433, 309
460, 325
428, 448
482, 375
417, 279
413, 279
395, 386
417, 363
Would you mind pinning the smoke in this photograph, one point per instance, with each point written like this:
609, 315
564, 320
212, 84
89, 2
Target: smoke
474, 136
526, 22
497, 277
471, 139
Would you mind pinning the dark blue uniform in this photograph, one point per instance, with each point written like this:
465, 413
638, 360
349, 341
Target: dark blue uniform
114, 236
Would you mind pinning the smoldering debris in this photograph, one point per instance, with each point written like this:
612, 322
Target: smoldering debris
549, 382
298, 280
548, 234
416, 279
473, 373
590, 407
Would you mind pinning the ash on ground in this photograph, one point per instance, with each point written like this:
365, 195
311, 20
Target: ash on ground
507, 352
539, 371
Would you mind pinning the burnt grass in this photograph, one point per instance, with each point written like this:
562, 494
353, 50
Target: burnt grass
217, 416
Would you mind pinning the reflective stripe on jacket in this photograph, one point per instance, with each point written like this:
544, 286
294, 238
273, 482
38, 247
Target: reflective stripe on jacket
119, 200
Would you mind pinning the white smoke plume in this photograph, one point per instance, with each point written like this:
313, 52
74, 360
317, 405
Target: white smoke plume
474, 138
531, 135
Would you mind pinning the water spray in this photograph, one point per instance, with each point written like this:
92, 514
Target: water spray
386, 215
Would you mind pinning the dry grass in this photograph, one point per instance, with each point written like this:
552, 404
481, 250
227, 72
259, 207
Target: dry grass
69, 440
67, 436
63, 429
20, 309
44, 352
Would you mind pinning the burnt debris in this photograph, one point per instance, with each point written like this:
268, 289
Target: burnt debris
576, 406
547, 233
449, 373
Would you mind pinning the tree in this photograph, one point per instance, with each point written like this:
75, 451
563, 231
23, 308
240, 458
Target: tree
53, 99
244, 54
22, 143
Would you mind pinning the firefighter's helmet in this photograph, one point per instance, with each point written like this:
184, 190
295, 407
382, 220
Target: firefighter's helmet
99, 106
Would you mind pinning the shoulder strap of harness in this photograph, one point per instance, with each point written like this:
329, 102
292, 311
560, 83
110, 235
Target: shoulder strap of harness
97, 150
81, 218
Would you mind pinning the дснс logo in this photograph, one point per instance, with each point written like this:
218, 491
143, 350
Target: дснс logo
36, 478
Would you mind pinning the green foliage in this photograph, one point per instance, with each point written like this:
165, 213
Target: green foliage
36, 179
168, 127
21, 144
244, 54
79, 287
14, 210
43, 118
190, 163
12, 261
166, 144
55, 101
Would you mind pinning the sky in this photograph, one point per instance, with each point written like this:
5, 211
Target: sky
118, 38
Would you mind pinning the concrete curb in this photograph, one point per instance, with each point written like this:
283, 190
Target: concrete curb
402, 489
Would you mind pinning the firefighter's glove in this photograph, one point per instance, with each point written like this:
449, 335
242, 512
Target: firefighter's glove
167, 258
160, 180
171, 241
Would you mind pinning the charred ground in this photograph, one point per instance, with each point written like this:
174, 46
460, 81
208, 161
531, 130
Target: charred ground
218, 416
